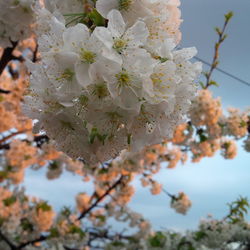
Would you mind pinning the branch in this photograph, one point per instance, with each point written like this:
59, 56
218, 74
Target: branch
2, 91
85, 212
222, 37
34, 59
7, 56
38, 140
163, 189
7, 241
42, 238
11, 135
5, 146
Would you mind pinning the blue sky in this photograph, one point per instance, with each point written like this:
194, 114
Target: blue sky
215, 181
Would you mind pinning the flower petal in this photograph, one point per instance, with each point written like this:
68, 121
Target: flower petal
105, 6
75, 36
104, 35
137, 35
116, 24
82, 73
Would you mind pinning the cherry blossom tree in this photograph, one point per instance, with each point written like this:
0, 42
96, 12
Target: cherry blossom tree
101, 89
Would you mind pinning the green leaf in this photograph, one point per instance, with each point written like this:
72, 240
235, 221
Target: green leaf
26, 225
1, 221
199, 235
102, 138
53, 165
3, 175
203, 138
158, 240
243, 124
202, 85
43, 206
96, 18
76, 230
74, 14
93, 135
217, 29
129, 139
66, 211
118, 244
54, 233
164, 59
229, 15
102, 218
9, 201
214, 83
103, 171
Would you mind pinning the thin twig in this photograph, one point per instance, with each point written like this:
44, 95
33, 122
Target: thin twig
31, 242
85, 212
35, 52
12, 135
215, 62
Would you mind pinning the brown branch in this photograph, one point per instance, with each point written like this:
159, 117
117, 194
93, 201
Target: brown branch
12, 135
31, 242
2, 91
38, 140
5, 146
7, 56
7, 241
35, 52
215, 62
85, 212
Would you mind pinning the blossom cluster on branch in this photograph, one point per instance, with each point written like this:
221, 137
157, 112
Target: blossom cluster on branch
104, 83
113, 80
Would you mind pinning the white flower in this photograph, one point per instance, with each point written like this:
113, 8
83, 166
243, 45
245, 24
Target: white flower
130, 9
16, 18
77, 39
126, 82
119, 40
49, 32
164, 82
61, 73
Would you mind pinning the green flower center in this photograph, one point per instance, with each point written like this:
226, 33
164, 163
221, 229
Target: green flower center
119, 45
83, 100
87, 56
123, 78
100, 90
124, 4
67, 74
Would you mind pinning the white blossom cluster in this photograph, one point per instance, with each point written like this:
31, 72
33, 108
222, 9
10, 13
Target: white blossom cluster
16, 17
101, 89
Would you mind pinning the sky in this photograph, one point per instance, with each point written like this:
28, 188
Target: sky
213, 182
